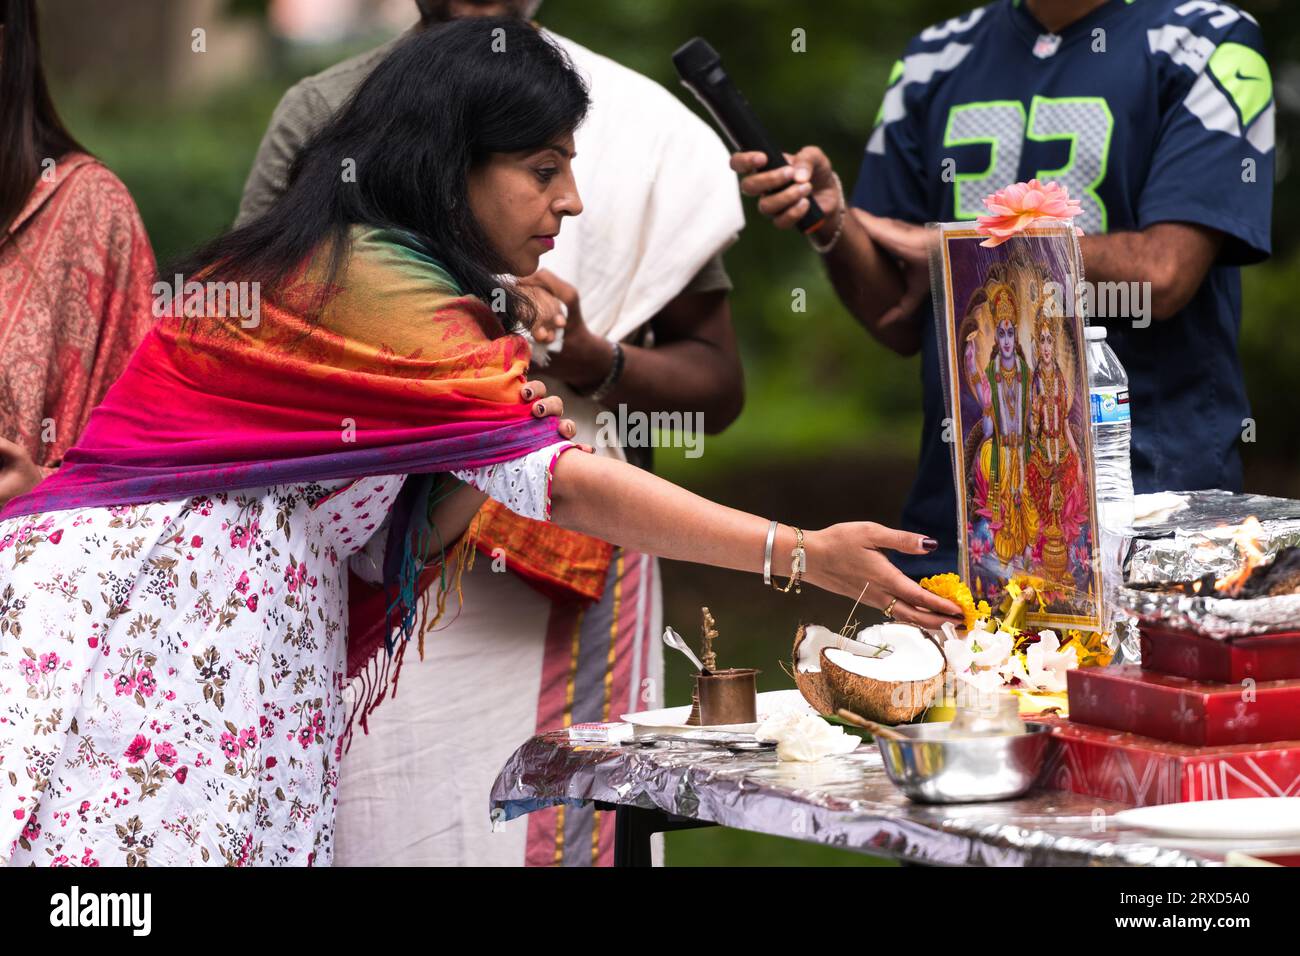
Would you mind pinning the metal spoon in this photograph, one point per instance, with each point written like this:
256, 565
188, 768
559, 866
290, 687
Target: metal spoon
675, 641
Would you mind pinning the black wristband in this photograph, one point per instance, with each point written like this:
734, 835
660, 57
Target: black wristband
615, 373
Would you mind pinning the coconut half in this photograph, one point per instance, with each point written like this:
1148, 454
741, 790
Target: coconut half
809, 642
889, 673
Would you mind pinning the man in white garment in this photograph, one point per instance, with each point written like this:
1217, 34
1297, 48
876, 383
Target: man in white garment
648, 329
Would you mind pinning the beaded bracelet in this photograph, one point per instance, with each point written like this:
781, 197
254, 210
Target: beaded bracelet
615, 373
824, 248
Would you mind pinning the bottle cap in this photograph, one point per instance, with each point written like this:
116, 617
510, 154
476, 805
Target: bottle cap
1095, 333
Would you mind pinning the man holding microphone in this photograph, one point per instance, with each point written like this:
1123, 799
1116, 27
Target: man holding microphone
1158, 116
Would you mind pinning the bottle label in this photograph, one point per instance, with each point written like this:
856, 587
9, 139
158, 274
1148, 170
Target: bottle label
1109, 406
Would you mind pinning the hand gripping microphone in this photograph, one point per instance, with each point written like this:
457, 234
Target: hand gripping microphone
700, 68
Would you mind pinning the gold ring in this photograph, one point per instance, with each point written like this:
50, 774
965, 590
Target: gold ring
889, 609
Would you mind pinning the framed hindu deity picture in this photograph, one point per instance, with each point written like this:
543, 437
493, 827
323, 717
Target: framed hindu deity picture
1011, 345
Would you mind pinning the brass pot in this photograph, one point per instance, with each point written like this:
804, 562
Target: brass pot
729, 696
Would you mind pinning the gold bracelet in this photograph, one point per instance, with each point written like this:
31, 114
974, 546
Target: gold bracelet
798, 565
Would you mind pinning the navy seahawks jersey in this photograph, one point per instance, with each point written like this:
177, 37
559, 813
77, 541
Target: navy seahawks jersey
1147, 111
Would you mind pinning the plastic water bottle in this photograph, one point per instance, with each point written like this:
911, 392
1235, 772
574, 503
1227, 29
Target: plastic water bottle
1111, 431
1111, 434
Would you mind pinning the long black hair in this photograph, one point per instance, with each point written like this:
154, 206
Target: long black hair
30, 129
444, 100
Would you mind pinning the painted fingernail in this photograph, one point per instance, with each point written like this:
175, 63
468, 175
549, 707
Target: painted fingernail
539, 408
528, 394
929, 544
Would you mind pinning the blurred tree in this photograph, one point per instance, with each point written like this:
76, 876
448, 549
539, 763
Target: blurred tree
159, 51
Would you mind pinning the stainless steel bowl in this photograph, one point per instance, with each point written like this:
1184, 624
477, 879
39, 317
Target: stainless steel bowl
932, 768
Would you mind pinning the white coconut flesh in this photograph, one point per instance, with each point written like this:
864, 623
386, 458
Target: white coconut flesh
910, 655
816, 637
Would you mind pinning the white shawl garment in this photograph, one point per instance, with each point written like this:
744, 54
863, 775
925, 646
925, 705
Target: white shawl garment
660, 200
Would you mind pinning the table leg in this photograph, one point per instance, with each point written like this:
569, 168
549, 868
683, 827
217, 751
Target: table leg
633, 827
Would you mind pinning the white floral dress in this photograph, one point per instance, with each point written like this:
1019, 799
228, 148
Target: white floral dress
172, 674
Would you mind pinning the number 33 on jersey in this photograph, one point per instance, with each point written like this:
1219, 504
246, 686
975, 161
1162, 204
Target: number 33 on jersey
1146, 111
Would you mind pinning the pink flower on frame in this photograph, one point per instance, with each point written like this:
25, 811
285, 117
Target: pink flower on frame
1021, 205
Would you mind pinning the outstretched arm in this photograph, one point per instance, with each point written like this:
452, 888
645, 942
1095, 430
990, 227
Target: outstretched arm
625, 505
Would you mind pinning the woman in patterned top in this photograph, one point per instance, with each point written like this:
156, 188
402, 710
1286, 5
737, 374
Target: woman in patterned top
75, 269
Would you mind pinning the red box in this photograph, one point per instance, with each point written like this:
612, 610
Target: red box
1195, 656
1139, 771
1184, 711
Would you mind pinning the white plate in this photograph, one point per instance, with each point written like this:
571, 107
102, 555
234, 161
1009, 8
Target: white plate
1250, 818
674, 718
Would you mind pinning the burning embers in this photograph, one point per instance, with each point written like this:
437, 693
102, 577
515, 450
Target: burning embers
1258, 596
1255, 577
1274, 579
1246, 537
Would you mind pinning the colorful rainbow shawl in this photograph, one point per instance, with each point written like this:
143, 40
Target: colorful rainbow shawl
398, 373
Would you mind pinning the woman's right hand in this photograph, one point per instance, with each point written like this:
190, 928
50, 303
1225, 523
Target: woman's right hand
844, 557
543, 407
809, 174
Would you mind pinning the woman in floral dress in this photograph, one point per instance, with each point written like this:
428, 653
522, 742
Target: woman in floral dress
183, 603
198, 648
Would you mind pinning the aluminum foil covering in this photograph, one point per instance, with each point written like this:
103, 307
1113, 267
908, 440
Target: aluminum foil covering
1194, 538
1221, 618
842, 801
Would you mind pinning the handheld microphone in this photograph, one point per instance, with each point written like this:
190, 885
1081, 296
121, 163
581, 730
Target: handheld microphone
700, 68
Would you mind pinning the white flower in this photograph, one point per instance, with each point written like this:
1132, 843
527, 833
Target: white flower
980, 658
805, 737
985, 681
1047, 663
991, 650
778, 722
1014, 669
958, 654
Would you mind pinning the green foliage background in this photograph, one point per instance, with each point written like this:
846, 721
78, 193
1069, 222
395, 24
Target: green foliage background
815, 380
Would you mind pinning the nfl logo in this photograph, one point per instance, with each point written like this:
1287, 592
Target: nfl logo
1046, 45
